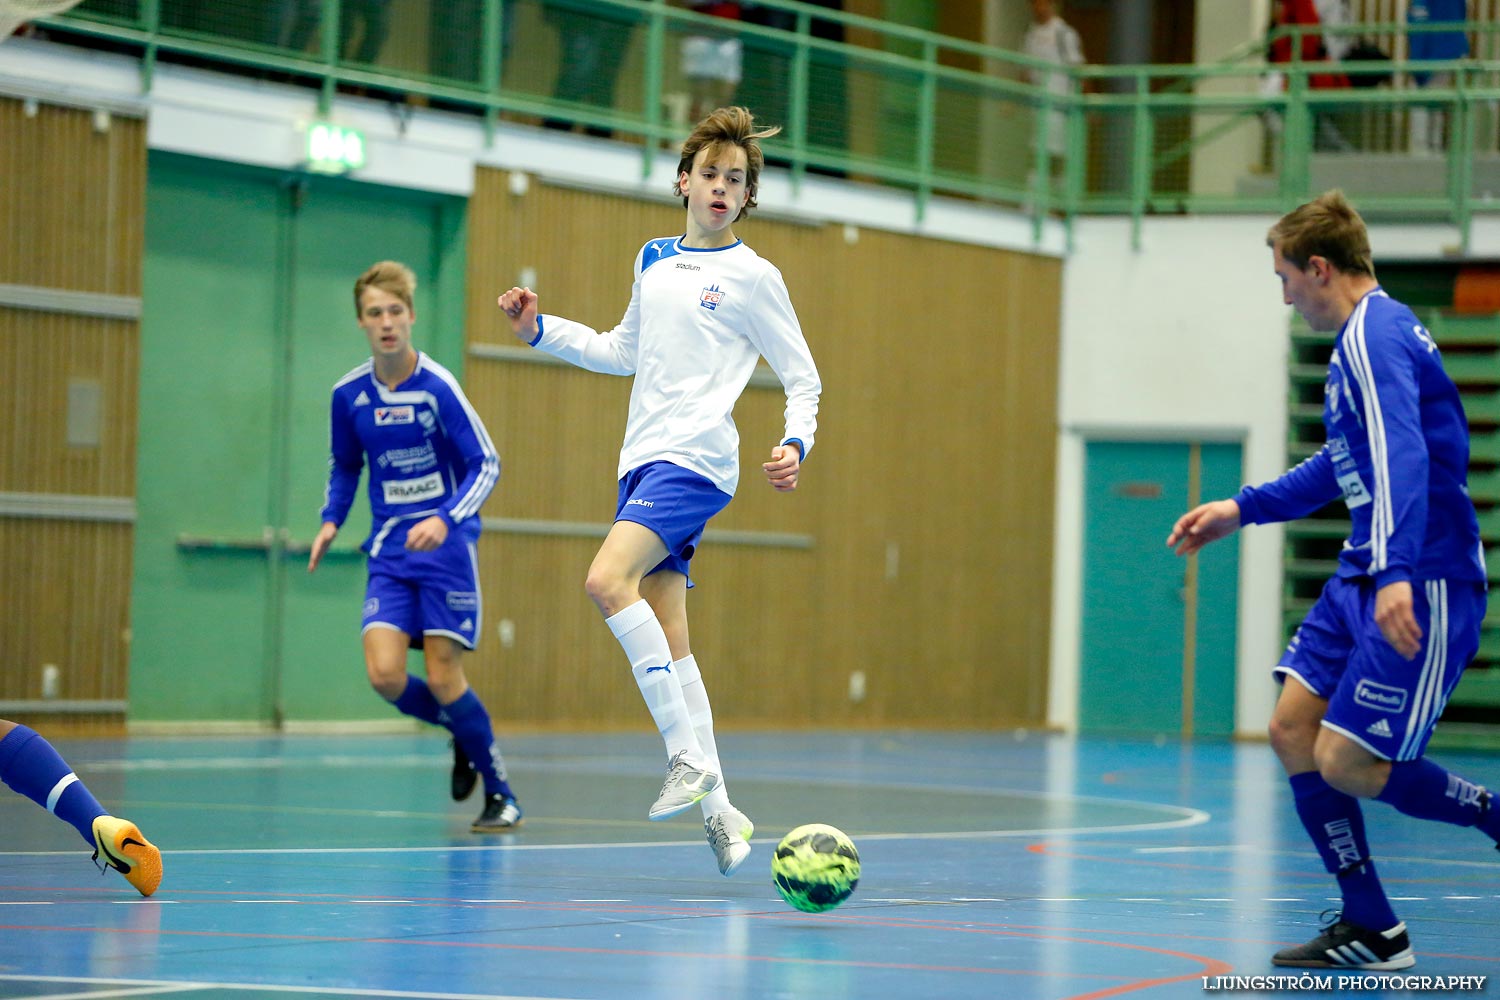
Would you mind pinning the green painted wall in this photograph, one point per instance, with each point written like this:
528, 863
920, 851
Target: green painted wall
248, 322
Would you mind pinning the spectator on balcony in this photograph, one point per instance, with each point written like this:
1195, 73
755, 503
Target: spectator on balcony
300, 19
591, 46
1052, 40
711, 62
1311, 47
1429, 122
1332, 15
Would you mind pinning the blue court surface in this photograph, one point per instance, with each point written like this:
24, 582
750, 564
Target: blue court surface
1002, 865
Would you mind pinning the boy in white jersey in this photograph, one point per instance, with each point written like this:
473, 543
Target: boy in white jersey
703, 309
431, 466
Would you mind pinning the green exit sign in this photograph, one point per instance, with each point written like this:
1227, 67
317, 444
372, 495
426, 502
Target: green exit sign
333, 149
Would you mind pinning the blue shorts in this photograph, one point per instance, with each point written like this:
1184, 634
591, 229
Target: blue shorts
426, 593
1376, 697
673, 502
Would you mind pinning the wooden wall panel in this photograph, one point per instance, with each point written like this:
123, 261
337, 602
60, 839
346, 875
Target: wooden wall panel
71, 207
65, 605
47, 351
929, 493
72, 211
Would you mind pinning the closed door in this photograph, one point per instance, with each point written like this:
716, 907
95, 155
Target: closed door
1157, 653
248, 321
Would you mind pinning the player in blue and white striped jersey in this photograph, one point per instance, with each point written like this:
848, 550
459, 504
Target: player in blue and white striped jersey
703, 309
431, 467
1378, 655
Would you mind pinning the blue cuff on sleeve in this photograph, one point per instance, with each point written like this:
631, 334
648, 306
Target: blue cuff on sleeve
801, 448
1249, 509
538, 330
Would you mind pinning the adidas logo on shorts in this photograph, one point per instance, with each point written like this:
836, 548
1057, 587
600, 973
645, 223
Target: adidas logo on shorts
1381, 728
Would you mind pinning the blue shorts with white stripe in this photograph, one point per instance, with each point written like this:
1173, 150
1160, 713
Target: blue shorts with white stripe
1376, 697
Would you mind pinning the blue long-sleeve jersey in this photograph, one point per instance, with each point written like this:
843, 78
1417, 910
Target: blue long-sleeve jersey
1397, 451
428, 452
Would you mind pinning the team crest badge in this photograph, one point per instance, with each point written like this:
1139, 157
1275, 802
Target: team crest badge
711, 297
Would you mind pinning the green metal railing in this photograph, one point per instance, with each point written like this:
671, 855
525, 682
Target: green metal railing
887, 104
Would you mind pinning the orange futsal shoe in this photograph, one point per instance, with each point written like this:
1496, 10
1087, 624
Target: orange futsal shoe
125, 849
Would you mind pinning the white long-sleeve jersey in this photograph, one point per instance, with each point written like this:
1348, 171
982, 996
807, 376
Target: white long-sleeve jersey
697, 322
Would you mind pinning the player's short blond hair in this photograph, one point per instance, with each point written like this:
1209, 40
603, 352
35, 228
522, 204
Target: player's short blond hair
724, 128
388, 276
1327, 227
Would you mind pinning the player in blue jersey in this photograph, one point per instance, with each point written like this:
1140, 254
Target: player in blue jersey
1372, 665
30, 766
704, 308
431, 466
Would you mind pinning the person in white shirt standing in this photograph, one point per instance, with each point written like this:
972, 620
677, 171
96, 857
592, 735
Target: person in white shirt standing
704, 307
1052, 40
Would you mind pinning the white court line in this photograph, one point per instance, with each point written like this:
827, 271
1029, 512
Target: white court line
1196, 818
180, 986
135, 991
577, 766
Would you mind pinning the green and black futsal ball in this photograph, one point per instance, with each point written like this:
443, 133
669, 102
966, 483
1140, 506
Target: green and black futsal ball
815, 867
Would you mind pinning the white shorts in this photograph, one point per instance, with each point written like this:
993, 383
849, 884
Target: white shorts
711, 59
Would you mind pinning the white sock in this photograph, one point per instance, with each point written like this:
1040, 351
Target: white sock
695, 698
644, 642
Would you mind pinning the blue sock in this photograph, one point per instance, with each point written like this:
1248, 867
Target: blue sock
1337, 827
470, 725
417, 701
30, 766
1426, 790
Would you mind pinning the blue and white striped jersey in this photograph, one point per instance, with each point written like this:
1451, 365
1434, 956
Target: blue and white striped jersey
428, 452
697, 322
1397, 452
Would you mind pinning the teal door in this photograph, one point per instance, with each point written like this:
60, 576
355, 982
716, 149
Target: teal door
1157, 651
248, 322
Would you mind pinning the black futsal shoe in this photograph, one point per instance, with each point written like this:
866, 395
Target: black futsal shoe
501, 815
1343, 945
464, 775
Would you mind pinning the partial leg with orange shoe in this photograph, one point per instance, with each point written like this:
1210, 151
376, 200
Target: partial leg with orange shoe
30, 766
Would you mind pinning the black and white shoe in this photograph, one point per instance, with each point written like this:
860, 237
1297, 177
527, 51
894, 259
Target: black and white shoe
1343, 945
464, 776
501, 815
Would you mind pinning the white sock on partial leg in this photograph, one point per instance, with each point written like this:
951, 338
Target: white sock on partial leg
695, 698
644, 642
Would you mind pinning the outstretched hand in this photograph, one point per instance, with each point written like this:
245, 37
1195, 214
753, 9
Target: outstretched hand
520, 305
1203, 524
781, 470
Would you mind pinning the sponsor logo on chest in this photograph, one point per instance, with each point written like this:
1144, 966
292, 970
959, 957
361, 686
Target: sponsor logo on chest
386, 415
413, 490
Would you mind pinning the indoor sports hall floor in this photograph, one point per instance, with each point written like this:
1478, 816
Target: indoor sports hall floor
995, 865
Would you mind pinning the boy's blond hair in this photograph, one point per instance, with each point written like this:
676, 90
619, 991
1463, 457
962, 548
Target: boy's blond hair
1327, 227
723, 128
388, 276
